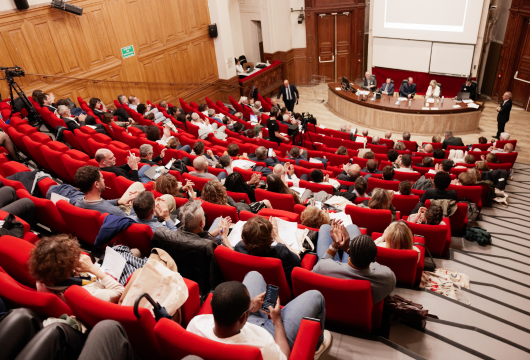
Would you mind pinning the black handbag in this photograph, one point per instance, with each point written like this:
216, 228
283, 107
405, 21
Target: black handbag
428, 264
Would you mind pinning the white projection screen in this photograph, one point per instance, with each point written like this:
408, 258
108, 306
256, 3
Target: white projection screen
455, 21
453, 59
401, 54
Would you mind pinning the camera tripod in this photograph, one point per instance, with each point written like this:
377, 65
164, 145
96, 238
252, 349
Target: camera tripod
33, 115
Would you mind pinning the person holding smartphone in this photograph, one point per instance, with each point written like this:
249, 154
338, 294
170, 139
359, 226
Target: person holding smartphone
239, 317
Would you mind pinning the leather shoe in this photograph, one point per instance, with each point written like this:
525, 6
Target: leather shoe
495, 137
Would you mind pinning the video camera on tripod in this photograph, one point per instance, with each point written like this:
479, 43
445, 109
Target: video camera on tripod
22, 101
307, 119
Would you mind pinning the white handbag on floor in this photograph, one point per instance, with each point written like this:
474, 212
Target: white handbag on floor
446, 282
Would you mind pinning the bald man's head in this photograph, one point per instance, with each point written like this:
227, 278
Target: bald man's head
428, 148
200, 164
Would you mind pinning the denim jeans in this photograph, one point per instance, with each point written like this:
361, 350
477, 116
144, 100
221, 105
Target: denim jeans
325, 240
309, 304
222, 176
185, 148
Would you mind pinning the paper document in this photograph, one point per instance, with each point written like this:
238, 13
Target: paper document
56, 197
456, 106
92, 126
286, 231
425, 108
299, 191
338, 88
316, 161
243, 164
474, 106
403, 99
430, 100
321, 126
346, 219
467, 101
434, 108
113, 263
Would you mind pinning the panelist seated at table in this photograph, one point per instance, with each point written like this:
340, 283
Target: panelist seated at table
433, 90
369, 82
407, 89
470, 87
388, 87
240, 71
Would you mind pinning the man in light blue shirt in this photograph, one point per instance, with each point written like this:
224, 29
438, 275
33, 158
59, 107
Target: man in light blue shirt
149, 211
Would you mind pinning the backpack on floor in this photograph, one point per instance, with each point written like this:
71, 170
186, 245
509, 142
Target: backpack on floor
481, 236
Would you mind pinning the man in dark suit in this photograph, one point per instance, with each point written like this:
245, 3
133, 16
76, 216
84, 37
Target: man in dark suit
451, 140
46, 100
408, 89
387, 88
369, 82
442, 180
107, 162
290, 95
471, 88
503, 115
73, 123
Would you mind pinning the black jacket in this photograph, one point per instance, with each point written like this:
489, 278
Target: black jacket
345, 177
453, 141
123, 170
407, 90
471, 89
435, 194
283, 92
504, 114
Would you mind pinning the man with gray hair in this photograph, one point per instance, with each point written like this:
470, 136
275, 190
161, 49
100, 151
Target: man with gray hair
107, 162
375, 140
73, 123
451, 140
201, 169
406, 137
347, 128
350, 173
428, 148
365, 132
146, 155
213, 115
257, 109
388, 135
191, 215
503, 115
261, 154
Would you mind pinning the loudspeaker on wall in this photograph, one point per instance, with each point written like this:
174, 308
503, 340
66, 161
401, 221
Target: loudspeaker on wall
212, 29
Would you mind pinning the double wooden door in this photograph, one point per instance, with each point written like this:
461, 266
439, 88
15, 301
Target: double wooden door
334, 38
521, 82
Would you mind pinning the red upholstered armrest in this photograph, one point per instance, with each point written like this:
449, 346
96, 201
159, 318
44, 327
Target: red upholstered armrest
206, 308
306, 340
192, 306
31, 237
398, 215
364, 231
299, 209
309, 261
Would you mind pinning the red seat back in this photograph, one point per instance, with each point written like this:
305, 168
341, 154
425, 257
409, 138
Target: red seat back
90, 310
14, 257
238, 197
473, 193
337, 160
35, 152
287, 215
72, 165
177, 343
383, 184
137, 236
388, 142
435, 236
411, 145
214, 211
54, 159
405, 203
83, 223
316, 187
405, 175
278, 201
357, 292
46, 212
500, 144
198, 181
378, 149
507, 157
247, 174
82, 138
234, 266
372, 220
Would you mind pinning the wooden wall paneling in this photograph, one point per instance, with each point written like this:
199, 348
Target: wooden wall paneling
357, 57
344, 36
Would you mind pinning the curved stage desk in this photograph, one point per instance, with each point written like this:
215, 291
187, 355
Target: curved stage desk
384, 114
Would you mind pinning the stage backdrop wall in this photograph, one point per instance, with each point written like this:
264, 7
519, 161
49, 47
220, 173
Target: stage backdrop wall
450, 84
170, 40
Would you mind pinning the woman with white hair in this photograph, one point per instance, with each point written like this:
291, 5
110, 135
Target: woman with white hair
433, 90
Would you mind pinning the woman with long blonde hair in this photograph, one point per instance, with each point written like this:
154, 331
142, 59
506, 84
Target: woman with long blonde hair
433, 90
381, 200
397, 236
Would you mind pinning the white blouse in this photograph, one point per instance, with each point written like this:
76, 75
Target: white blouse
431, 93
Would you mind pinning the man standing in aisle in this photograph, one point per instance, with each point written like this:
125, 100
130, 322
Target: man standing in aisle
290, 95
503, 115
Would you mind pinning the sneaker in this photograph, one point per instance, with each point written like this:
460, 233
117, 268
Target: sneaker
325, 344
495, 137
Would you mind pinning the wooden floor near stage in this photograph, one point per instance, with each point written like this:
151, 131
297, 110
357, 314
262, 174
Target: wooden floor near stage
518, 126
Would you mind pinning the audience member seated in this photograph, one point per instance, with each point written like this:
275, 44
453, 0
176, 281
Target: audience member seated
369, 155
405, 163
438, 154
238, 319
508, 148
442, 180
342, 150
400, 146
347, 129
491, 158
174, 143
55, 259
388, 173
296, 155
7, 143
392, 155
371, 168
46, 100
350, 172
451, 140
154, 213
215, 193
405, 188
146, 155
201, 169
97, 106
90, 182
359, 188
225, 163
276, 185
427, 162
388, 135
465, 179
398, 236
71, 122
432, 216
229, 123
360, 265
482, 140
257, 237
428, 148
168, 184
287, 173
257, 109
191, 215
235, 183
198, 150
10, 203
107, 162
232, 149
469, 159
314, 218
436, 139
317, 176
406, 137
375, 140
482, 166
153, 134
261, 155
381, 199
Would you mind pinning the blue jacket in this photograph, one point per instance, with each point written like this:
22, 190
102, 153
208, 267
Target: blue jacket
112, 226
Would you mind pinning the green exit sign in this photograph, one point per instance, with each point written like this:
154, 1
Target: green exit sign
127, 51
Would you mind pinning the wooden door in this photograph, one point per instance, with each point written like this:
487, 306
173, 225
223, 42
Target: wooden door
326, 45
521, 88
343, 52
